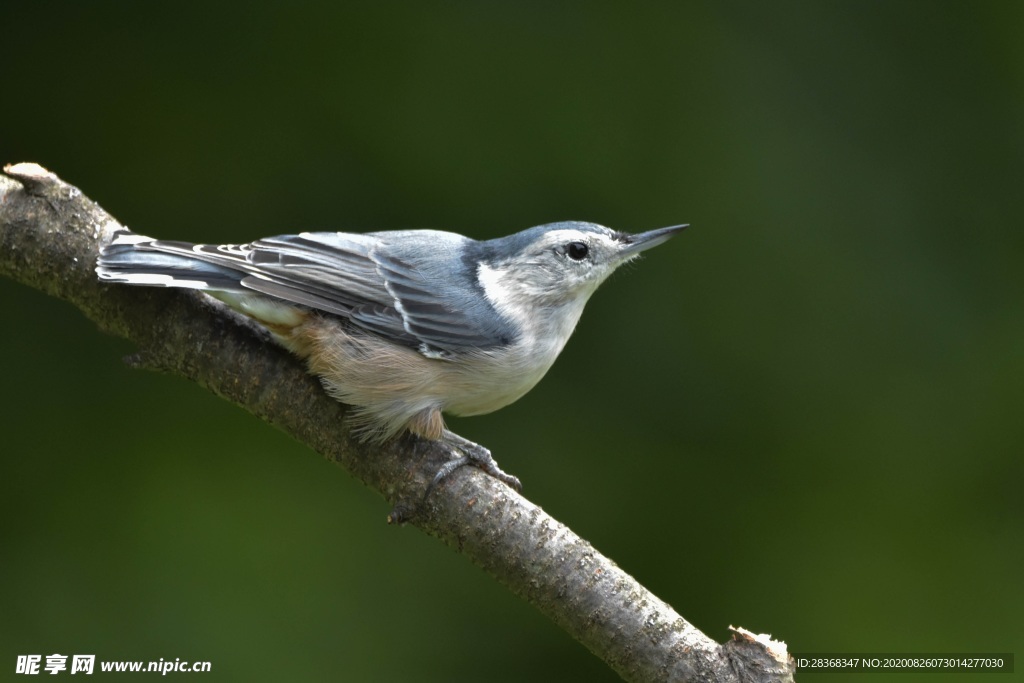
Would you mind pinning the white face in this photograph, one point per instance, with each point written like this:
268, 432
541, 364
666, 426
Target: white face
545, 287
562, 265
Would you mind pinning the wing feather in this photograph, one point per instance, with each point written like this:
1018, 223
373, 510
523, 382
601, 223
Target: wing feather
361, 277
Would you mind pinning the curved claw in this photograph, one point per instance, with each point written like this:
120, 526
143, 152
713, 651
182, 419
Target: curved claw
472, 454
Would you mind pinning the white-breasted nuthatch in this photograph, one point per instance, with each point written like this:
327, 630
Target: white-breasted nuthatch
403, 325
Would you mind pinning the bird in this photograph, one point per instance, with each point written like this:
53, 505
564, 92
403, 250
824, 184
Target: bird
403, 325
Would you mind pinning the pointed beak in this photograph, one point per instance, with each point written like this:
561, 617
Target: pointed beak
634, 244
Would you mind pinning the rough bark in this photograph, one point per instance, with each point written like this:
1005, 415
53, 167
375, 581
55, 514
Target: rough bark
49, 237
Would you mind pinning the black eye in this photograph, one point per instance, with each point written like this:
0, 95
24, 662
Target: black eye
577, 251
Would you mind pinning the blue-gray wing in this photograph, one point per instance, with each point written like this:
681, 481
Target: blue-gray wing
411, 286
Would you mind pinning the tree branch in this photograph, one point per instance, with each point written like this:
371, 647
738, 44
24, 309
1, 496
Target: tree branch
49, 237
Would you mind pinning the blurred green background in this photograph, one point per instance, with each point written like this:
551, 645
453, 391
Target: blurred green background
804, 415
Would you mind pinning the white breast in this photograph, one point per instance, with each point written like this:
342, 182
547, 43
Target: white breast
494, 379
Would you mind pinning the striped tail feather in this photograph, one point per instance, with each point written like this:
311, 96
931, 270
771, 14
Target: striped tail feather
137, 260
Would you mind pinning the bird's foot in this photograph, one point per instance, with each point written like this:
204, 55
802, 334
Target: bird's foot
472, 454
